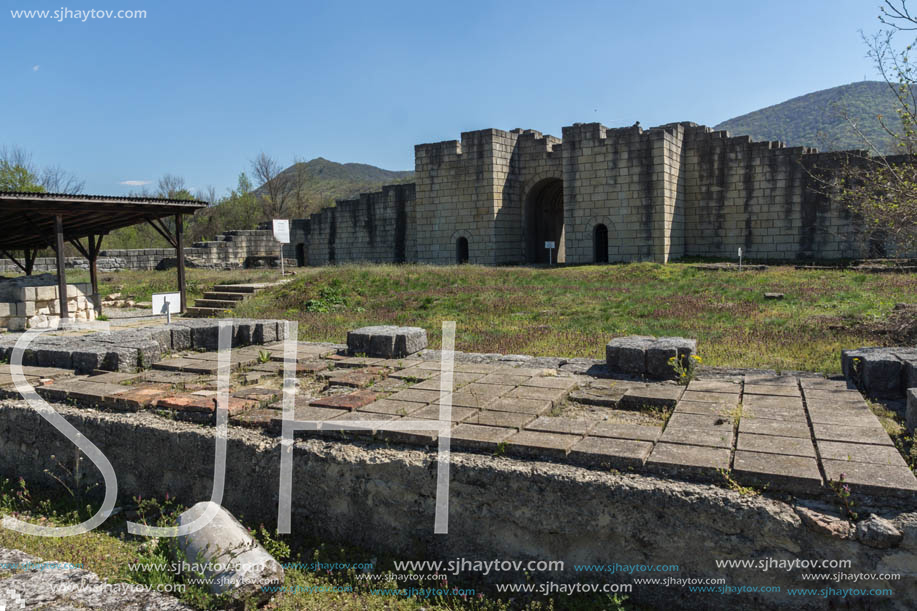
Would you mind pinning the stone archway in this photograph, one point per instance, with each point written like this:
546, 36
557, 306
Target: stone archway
544, 221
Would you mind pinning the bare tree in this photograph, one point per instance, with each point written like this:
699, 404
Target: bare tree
57, 180
279, 190
173, 187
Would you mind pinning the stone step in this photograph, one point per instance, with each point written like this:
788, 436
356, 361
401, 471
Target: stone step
226, 295
200, 312
236, 288
223, 304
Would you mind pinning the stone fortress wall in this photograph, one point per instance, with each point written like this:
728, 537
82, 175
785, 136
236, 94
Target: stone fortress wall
626, 194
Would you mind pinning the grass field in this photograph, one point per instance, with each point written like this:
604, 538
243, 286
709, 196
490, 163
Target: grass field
574, 311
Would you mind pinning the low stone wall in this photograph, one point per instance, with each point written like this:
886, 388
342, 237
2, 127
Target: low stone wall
382, 498
884, 373
33, 302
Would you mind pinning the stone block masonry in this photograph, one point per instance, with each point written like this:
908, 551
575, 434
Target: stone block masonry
601, 195
32, 302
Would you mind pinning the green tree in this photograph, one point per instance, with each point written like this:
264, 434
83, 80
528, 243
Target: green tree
14, 177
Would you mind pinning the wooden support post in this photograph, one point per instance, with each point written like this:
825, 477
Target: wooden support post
61, 273
94, 248
180, 254
30, 255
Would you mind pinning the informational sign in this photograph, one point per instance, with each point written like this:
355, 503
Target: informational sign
549, 245
166, 304
282, 230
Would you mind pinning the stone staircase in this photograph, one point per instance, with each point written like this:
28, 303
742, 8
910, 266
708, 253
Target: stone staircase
223, 297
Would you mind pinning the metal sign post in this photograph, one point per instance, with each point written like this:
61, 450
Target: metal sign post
282, 235
740, 258
550, 247
166, 303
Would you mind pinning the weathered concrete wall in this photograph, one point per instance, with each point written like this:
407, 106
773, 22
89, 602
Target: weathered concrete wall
375, 227
382, 499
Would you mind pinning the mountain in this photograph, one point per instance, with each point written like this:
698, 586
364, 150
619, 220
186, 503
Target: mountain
322, 181
818, 119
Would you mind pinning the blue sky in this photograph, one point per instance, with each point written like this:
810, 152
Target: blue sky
199, 88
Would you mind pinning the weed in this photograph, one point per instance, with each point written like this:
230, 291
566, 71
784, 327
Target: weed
842, 490
684, 367
732, 484
264, 356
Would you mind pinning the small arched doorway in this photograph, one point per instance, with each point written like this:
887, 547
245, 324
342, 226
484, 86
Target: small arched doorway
461, 250
600, 244
544, 221
301, 255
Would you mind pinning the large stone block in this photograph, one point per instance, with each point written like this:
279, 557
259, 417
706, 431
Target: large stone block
661, 350
264, 332
628, 354
386, 341
883, 375
911, 414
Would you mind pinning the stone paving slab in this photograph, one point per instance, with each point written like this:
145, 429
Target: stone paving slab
113, 377
349, 401
789, 415
699, 421
842, 416
874, 434
259, 418
688, 461
389, 385
359, 430
417, 438
795, 474
770, 401
773, 444
358, 361
480, 438
606, 452
306, 413
465, 399
539, 444
714, 386
772, 390
502, 419
432, 412
861, 452
414, 373
97, 394
721, 439
389, 406
258, 393
416, 396
823, 384
354, 379
458, 380
832, 397
872, 479
506, 379
535, 407
186, 365
554, 395
569, 426
168, 377
711, 397
598, 397
142, 396
562, 383
626, 430
779, 428
652, 396
705, 408
771, 379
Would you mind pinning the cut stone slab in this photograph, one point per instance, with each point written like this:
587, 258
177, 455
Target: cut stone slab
654, 395
714, 386
711, 397
688, 461
141, 397
569, 426
873, 479
535, 407
861, 452
224, 541
416, 396
458, 381
480, 438
388, 406
554, 395
770, 401
349, 401
502, 419
254, 418
305, 413
560, 382
771, 379
432, 412
626, 430
823, 384
258, 393
386, 341
883, 374
609, 453
762, 426
506, 379
795, 474
911, 413
698, 437
113, 377
772, 413
417, 438
538, 444
357, 361
853, 434
704, 408
414, 374
772, 444
848, 417
354, 379
770, 389
598, 396
356, 420
699, 421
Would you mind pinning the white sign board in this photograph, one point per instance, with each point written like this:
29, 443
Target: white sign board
549, 245
282, 230
166, 303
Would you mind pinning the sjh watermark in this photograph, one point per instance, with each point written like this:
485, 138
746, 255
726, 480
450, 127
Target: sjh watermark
290, 425
67, 14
